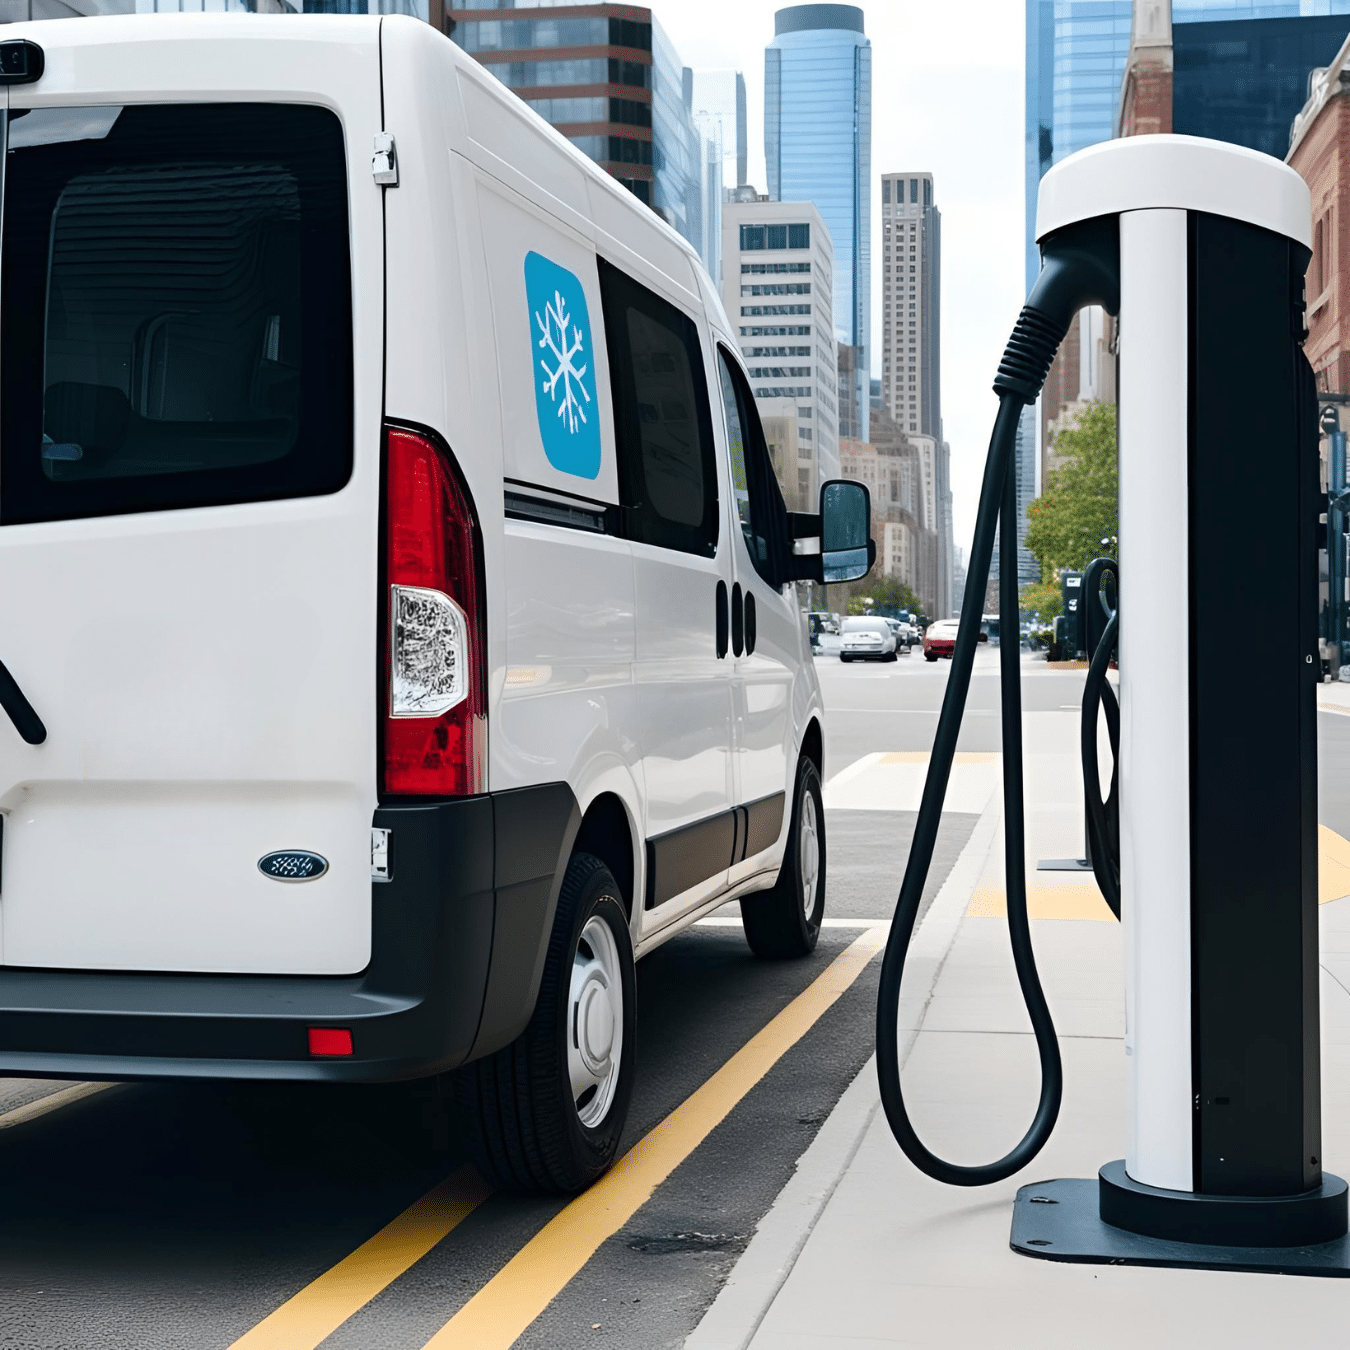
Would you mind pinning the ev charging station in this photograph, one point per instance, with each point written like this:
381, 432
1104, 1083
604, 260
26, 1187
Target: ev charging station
1207, 844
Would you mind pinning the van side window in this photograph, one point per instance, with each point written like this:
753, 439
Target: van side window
759, 503
662, 421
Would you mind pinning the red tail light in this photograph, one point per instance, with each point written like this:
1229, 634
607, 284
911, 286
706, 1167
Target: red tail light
435, 737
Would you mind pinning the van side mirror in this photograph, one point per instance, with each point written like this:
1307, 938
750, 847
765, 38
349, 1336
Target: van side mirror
846, 549
834, 544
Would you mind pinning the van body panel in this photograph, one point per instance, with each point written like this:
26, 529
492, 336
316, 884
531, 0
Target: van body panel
204, 674
533, 348
517, 146
567, 690
660, 258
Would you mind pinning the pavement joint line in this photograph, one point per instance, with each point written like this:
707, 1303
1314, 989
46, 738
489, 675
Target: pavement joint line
503, 1308
323, 1305
734, 1317
54, 1101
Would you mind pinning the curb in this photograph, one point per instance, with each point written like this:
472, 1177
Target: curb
734, 1316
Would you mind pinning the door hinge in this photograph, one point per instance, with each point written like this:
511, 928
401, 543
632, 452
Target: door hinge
384, 166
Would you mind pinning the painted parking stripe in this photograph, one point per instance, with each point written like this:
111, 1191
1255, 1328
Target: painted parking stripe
324, 1305
54, 1101
496, 1316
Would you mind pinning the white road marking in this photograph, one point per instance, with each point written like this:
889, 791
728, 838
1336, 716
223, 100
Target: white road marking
895, 781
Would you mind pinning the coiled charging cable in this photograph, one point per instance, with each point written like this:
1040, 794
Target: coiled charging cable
1080, 266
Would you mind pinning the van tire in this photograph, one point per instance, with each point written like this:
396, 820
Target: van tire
778, 924
525, 1130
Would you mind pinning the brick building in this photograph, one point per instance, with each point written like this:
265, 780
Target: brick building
1320, 151
1146, 89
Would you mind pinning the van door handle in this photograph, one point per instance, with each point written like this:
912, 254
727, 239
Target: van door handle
737, 620
22, 713
723, 624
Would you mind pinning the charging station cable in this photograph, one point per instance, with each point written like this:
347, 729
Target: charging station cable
1079, 266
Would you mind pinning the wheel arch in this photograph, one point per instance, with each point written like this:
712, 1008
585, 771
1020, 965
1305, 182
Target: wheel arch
813, 746
607, 833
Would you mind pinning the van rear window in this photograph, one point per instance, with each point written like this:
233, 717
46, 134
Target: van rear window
175, 309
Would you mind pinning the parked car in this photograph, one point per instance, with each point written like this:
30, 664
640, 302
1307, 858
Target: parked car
385, 546
939, 639
867, 639
901, 631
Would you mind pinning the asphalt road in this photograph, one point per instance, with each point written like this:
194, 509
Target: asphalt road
167, 1215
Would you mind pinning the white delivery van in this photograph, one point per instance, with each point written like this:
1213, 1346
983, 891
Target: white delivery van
395, 613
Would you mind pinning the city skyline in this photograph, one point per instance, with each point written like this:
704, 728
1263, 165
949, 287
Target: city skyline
929, 62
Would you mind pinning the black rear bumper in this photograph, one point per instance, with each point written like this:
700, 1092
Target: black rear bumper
458, 938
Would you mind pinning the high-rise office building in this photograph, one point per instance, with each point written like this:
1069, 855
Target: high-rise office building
1238, 71
613, 86
818, 148
910, 295
1244, 78
778, 289
911, 335
715, 100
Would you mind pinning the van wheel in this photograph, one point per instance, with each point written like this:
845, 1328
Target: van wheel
545, 1113
785, 921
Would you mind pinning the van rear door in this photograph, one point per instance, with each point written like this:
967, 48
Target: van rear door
188, 543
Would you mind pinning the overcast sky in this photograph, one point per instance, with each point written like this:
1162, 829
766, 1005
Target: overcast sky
947, 97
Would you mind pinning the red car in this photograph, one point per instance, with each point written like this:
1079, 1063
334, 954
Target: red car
939, 639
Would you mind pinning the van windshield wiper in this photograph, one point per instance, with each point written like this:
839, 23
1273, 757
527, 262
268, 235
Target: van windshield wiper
22, 713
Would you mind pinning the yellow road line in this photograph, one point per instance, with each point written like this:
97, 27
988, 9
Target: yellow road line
1084, 900
21, 1115
1044, 902
1333, 865
324, 1305
504, 1307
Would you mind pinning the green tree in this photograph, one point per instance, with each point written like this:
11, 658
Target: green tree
1079, 507
885, 593
1045, 600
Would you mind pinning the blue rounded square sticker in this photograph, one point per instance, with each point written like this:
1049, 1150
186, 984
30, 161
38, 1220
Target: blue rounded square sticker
564, 370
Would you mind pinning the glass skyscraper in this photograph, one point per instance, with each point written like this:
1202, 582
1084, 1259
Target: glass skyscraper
1240, 74
1245, 79
818, 148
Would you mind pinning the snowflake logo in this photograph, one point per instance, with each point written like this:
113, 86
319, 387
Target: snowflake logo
554, 325
561, 367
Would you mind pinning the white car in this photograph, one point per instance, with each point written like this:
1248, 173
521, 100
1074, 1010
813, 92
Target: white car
866, 639
395, 588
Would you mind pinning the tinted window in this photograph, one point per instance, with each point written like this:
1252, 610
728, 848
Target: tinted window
759, 502
176, 309
667, 473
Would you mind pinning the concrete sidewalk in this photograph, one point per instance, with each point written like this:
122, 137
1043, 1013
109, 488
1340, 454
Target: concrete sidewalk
861, 1250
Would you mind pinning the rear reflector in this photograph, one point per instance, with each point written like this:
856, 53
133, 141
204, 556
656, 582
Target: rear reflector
330, 1041
434, 726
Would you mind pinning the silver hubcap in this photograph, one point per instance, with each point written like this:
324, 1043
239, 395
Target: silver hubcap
595, 1022
809, 840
